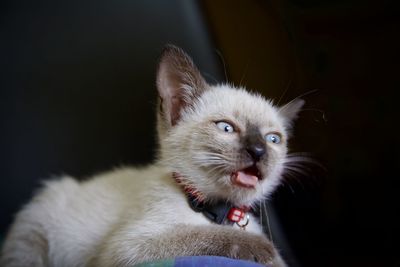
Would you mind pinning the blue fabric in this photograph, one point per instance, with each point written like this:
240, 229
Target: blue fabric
200, 261
212, 261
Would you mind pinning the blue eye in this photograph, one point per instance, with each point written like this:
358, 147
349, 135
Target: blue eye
224, 126
273, 138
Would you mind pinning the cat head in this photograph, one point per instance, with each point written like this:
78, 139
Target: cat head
225, 142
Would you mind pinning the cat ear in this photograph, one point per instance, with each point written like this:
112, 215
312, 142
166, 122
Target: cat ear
179, 83
291, 110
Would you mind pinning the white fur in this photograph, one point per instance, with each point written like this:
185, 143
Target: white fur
83, 221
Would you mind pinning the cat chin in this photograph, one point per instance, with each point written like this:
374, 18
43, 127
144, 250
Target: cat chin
247, 196
225, 186
235, 194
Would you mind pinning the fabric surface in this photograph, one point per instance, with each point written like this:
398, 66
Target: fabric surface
200, 261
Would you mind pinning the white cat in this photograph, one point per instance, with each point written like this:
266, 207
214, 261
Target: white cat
222, 150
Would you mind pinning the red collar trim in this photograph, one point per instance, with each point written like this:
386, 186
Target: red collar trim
188, 188
220, 213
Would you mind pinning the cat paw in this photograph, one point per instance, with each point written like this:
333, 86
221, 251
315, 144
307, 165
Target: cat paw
255, 248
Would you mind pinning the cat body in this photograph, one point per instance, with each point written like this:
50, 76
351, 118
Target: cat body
218, 142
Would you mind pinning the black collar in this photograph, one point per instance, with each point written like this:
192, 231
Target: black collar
221, 212
217, 212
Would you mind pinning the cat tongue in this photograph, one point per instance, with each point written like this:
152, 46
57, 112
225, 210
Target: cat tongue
243, 179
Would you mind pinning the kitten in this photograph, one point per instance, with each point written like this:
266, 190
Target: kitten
222, 150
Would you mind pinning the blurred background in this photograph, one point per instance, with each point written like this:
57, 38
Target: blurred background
77, 96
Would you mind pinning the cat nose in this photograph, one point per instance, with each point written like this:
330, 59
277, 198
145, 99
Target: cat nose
256, 151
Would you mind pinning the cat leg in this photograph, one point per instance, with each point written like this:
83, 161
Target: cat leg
26, 245
188, 240
27, 241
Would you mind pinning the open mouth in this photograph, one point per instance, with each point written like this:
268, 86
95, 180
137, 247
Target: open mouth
247, 177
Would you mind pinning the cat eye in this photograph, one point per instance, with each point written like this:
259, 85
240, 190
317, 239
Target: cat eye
273, 138
224, 126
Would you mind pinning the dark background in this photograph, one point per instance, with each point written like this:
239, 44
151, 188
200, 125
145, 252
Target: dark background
77, 96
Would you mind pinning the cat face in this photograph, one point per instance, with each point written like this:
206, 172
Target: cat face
225, 142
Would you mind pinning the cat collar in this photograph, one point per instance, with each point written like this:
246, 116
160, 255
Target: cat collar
221, 212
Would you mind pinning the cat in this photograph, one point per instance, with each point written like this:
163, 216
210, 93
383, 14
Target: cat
222, 150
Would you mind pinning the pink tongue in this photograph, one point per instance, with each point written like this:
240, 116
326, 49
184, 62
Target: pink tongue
245, 180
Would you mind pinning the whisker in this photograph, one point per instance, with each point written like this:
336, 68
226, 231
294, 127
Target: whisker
304, 94
286, 183
268, 223
244, 73
296, 170
293, 175
323, 115
223, 63
205, 74
261, 215
214, 154
218, 169
302, 160
300, 96
286, 89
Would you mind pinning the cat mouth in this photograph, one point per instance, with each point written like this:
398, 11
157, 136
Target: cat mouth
247, 177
